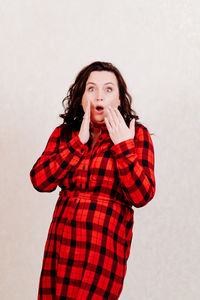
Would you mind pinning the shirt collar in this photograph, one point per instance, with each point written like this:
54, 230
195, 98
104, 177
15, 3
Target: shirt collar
104, 131
104, 128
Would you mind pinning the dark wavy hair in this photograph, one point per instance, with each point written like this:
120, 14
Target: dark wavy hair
73, 111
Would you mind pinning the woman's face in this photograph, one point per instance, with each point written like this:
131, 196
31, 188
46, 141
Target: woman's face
101, 90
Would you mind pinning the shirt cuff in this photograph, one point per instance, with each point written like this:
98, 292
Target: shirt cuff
124, 148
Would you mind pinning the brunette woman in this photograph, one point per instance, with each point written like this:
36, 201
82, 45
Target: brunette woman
102, 158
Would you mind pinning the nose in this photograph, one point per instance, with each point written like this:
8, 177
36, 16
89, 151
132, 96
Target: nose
99, 95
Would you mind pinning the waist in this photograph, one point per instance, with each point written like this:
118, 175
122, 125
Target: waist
88, 197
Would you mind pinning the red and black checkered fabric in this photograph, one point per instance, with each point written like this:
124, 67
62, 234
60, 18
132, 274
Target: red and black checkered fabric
90, 234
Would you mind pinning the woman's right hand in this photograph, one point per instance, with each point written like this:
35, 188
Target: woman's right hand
84, 133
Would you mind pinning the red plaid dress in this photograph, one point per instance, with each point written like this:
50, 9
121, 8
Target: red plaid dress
90, 234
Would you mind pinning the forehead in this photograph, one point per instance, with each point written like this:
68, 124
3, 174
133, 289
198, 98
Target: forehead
102, 77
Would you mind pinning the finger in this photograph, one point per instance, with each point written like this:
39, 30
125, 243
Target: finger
120, 117
87, 111
132, 123
107, 124
132, 127
110, 117
114, 115
88, 106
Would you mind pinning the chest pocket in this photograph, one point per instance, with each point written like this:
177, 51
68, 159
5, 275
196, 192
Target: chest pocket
103, 168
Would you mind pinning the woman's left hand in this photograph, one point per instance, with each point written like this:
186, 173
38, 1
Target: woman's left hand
117, 128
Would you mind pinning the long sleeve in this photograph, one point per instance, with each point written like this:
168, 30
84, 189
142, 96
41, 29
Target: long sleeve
56, 160
135, 164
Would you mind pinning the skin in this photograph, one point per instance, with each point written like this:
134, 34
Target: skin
102, 88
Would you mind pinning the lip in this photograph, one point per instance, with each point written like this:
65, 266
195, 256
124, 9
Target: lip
99, 111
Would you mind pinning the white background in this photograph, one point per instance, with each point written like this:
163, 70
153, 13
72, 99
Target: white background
156, 46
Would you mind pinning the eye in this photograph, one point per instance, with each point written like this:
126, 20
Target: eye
109, 89
91, 89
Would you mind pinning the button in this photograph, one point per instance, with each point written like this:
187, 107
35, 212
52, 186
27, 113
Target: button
83, 167
100, 138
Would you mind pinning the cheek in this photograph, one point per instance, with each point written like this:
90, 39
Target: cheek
115, 100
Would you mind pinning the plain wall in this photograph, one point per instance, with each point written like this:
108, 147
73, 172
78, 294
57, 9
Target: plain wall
156, 46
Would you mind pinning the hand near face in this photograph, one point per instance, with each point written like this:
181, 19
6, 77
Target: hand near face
117, 128
84, 133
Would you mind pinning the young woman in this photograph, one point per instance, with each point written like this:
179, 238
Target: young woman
102, 158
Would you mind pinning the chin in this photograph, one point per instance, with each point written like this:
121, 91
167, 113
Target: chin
100, 121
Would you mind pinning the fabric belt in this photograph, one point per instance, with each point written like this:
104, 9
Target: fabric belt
91, 197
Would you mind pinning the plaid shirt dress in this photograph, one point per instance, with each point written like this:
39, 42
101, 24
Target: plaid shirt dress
89, 238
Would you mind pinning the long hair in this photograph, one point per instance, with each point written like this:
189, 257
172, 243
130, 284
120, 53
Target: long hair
73, 111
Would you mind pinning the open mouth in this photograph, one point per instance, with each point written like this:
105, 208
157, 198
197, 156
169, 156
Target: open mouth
99, 108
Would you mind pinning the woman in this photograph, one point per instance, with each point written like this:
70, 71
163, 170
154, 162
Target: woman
102, 158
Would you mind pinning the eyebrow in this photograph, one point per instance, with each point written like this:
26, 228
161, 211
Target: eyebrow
104, 84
